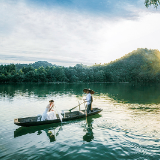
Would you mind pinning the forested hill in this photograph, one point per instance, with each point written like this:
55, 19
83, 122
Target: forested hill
141, 65
35, 65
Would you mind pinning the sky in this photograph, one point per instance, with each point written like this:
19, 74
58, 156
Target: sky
70, 32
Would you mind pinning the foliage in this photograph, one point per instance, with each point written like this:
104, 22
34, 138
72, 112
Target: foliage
155, 3
141, 65
35, 65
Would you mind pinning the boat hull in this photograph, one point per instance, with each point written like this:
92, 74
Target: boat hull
32, 121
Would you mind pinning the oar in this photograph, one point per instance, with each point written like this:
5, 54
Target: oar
85, 109
76, 106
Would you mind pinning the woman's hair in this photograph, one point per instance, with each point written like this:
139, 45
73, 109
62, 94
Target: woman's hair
51, 101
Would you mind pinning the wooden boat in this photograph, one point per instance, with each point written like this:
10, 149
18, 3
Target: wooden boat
34, 121
21, 131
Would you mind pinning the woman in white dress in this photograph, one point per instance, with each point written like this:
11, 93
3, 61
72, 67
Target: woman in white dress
49, 113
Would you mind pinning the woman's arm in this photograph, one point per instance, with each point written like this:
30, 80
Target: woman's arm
51, 108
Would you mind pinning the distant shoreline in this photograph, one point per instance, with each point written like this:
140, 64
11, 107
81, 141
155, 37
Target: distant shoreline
139, 66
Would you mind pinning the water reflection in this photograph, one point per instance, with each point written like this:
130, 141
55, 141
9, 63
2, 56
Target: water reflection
130, 93
52, 133
88, 129
121, 92
49, 129
123, 128
40, 90
88, 137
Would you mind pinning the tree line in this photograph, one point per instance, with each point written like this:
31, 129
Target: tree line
78, 73
141, 65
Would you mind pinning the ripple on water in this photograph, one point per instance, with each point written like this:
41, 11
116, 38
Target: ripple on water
121, 131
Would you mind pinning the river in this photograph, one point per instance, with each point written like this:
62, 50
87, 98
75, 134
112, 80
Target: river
127, 128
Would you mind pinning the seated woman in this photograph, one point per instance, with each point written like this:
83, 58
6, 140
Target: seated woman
49, 113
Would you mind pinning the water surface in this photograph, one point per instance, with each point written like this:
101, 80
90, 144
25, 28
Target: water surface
127, 128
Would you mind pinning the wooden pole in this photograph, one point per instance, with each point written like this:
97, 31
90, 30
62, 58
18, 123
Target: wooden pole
75, 107
79, 106
85, 108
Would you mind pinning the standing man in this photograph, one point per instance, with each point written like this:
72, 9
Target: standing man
88, 100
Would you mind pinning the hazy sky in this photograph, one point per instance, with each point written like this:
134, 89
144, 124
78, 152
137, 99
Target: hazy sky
68, 32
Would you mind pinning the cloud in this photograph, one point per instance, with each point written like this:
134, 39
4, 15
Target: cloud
62, 36
107, 7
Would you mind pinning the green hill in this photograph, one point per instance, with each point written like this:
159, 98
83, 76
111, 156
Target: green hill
141, 65
35, 65
44, 64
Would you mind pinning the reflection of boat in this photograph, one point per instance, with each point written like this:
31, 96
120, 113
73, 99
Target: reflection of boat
34, 121
33, 129
51, 131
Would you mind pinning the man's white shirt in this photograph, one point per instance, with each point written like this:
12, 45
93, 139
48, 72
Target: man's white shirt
88, 98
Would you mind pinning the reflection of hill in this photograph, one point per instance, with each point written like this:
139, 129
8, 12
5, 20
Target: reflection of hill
142, 94
41, 90
44, 89
125, 92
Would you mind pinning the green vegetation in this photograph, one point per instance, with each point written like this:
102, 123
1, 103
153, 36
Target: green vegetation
155, 3
141, 65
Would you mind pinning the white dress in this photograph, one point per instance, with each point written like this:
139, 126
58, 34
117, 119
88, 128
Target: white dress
48, 115
51, 115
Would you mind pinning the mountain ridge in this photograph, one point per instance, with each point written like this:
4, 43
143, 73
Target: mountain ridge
141, 65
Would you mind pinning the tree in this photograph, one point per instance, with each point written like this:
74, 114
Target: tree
155, 3
42, 74
27, 69
59, 74
50, 74
31, 77
2, 78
